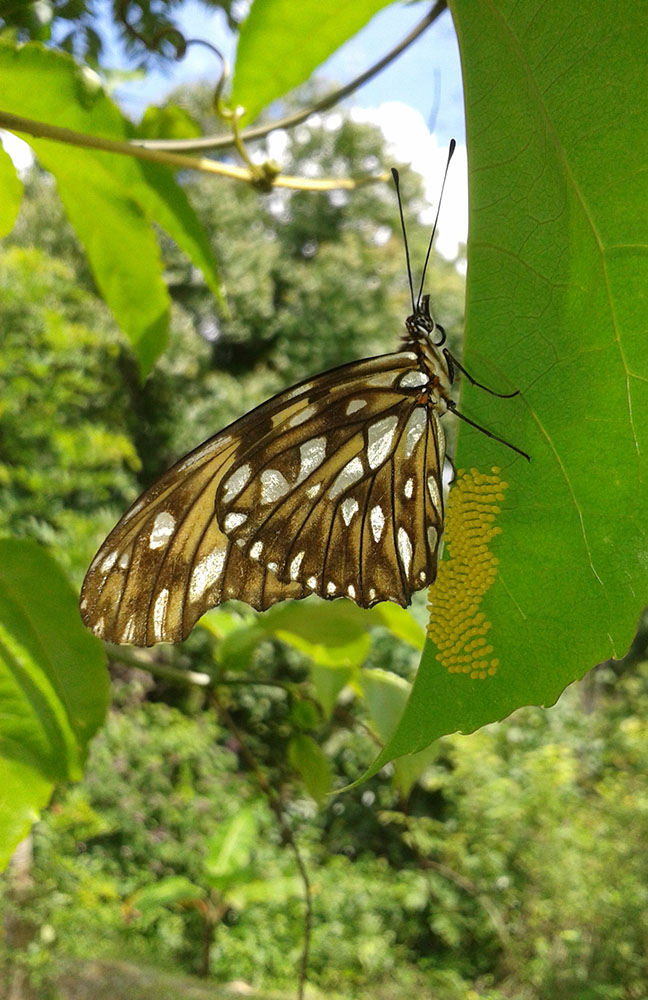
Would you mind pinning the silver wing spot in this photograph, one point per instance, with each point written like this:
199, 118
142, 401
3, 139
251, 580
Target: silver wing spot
129, 632
295, 565
109, 562
355, 405
414, 430
379, 440
413, 380
301, 416
405, 550
206, 573
312, 491
349, 508
408, 488
160, 613
236, 482
440, 437
311, 455
312, 582
435, 496
256, 550
349, 475
233, 520
432, 536
124, 560
98, 628
377, 521
163, 528
330, 587
273, 485
351, 590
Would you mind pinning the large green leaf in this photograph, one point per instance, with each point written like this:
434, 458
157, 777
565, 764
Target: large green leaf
282, 42
53, 685
110, 200
11, 193
556, 306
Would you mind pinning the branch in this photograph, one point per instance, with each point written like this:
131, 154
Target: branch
290, 121
17, 123
286, 832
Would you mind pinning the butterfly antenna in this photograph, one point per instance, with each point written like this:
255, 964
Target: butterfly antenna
451, 149
396, 177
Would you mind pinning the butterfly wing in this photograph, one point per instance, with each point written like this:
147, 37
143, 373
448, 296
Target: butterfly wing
167, 561
344, 497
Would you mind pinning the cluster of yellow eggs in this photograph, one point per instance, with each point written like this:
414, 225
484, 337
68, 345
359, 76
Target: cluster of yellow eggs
457, 627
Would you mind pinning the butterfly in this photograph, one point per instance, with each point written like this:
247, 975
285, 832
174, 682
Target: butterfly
333, 487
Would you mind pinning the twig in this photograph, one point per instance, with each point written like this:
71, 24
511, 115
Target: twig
16, 123
290, 121
286, 832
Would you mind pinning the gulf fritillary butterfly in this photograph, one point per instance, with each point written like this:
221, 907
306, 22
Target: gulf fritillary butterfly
333, 487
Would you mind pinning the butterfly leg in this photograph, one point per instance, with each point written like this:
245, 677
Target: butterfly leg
453, 363
452, 406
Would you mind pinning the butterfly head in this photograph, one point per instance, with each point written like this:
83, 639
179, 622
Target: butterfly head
421, 327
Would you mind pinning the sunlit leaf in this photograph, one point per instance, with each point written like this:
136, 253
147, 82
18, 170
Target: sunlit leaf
556, 306
269, 62
312, 765
110, 200
53, 685
11, 189
175, 890
230, 849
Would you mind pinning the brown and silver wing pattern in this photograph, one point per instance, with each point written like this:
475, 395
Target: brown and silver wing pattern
167, 561
346, 499
171, 557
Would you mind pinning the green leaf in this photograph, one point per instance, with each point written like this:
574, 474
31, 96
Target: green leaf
230, 849
236, 650
266, 890
169, 122
175, 890
53, 684
110, 200
282, 42
328, 682
10, 193
556, 306
386, 695
400, 622
24, 793
311, 764
332, 634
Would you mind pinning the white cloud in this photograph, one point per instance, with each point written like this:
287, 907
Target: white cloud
409, 141
18, 150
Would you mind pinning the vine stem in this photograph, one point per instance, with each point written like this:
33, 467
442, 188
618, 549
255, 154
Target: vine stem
290, 121
41, 130
134, 658
286, 833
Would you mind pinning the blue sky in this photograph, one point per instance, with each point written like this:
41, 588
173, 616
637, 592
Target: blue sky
426, 76
419, 90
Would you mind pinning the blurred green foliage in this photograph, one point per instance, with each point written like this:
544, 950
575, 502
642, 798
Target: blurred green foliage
312, 282
74, 26
516, 868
